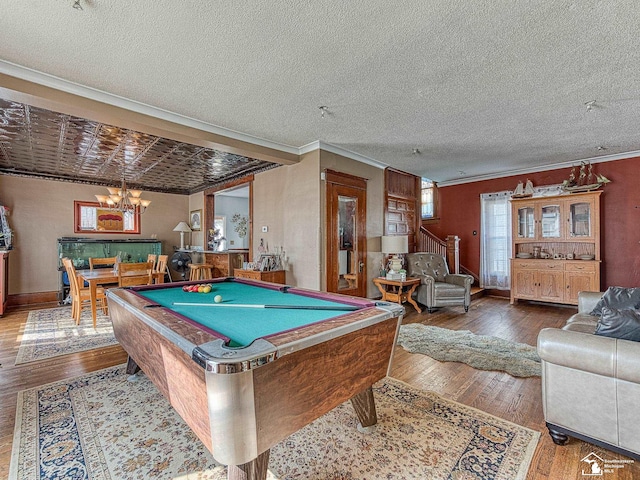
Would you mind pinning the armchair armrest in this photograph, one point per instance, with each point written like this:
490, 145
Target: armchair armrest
459, 279
425, 279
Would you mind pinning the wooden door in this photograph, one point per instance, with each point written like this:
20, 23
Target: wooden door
346, 198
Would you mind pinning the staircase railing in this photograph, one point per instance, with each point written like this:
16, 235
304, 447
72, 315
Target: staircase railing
449, 248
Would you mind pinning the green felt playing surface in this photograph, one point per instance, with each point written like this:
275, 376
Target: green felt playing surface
243, 325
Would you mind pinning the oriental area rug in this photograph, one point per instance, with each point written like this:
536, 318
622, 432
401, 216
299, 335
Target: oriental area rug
53, 332
101, 426
479, 351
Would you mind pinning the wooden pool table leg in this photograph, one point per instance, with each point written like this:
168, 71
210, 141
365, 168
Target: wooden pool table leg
132, 366
254, 470
365, 407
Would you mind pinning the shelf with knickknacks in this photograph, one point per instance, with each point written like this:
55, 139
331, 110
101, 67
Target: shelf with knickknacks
268, 261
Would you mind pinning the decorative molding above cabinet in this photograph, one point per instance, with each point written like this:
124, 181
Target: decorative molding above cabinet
555, 247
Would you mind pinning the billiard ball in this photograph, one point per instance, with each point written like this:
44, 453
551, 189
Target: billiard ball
217, 298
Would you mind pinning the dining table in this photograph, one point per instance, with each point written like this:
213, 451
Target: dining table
105, 276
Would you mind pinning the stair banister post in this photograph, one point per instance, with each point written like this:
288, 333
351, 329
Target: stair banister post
453, 253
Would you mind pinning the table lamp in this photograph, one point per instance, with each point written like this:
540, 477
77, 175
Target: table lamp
182, 227
395, 246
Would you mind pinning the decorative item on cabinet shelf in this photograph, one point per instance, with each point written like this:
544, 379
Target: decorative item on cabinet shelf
523, 191
586, 180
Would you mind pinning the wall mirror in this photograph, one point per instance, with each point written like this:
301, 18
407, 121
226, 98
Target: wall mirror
89, 217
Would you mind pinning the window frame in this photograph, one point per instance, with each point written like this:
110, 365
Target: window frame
434, 187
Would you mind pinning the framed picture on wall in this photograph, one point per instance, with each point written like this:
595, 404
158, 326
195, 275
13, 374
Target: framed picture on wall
195, 220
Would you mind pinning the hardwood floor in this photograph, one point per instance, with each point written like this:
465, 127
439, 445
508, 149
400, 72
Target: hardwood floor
514, 399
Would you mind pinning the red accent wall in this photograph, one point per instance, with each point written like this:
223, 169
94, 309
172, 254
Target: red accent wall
459, 212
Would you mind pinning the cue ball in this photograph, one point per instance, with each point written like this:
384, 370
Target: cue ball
217, 298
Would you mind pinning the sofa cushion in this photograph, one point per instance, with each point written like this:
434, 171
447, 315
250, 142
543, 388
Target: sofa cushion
447, 290
618, 298
622, 324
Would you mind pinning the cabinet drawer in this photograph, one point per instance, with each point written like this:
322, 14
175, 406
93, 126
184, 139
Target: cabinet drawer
526, 264
539, 264
581, 266
251, 274
552, 265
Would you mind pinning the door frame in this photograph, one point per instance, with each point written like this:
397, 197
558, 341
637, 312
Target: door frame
336, 182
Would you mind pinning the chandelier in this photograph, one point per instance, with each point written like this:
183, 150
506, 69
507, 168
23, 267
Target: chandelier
123, 200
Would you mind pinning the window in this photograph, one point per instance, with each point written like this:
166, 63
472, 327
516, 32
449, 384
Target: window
428, 199
495, 240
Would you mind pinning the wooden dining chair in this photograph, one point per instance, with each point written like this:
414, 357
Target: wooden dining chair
152, 258
162, 265
81, 297
139, 273
93, 261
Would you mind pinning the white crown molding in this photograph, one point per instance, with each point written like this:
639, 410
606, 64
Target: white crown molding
327, 147
541, 168
73, 88
27, 74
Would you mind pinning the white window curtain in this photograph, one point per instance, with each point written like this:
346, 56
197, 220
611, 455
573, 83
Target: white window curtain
495, 240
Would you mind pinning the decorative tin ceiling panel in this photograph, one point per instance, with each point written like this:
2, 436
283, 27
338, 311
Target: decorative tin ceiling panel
45, 144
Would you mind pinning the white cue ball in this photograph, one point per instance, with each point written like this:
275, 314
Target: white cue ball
217, 298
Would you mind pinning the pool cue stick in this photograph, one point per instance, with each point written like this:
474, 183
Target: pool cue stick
290, 307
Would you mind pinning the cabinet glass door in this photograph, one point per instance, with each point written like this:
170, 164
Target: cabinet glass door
550, 221
580, 219
526, 222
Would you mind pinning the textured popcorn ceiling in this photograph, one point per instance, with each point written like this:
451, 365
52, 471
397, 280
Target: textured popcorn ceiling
479, 87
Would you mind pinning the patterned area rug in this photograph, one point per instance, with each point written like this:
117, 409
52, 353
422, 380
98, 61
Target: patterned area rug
479, 351
100, 426
52, 332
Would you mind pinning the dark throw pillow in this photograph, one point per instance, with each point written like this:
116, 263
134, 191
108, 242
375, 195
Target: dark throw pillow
623, 324
618, 298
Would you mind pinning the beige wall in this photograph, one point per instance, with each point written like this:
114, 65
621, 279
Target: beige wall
375, 210
287, 201
290, 201
42, 211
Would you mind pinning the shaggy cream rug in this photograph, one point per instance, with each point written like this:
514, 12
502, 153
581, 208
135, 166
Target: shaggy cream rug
479, 351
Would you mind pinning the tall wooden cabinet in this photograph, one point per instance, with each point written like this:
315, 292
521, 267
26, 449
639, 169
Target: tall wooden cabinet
546, 231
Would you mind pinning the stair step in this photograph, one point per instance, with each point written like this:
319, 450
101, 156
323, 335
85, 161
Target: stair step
477, 292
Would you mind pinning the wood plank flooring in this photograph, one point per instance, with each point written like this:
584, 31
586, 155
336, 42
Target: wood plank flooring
514, 399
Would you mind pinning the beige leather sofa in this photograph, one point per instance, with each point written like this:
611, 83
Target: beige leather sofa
590, 383
438, 288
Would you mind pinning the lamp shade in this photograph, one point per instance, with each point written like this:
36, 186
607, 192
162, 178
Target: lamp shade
182, 227
395, 244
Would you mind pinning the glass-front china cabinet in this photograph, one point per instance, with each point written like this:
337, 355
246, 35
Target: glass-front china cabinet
556, 247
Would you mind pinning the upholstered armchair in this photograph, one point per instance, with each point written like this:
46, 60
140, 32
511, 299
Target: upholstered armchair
438, 288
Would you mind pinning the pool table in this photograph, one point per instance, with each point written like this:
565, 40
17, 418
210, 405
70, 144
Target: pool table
251, 370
